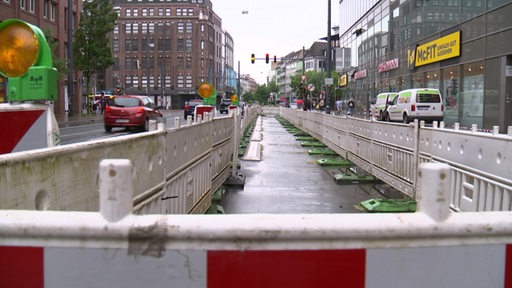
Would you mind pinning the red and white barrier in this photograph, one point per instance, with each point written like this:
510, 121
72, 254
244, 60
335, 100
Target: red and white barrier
430, 248
26, 127
453, 266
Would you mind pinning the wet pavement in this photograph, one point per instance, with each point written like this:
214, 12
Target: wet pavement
289, 180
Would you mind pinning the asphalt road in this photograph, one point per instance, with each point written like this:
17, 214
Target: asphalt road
92, 128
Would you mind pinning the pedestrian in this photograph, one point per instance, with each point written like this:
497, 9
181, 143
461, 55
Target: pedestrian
351, 107
338, 107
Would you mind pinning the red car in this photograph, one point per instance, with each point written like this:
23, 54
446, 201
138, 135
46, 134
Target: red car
130, 111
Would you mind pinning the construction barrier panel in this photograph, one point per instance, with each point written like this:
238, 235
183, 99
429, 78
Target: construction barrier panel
430, 248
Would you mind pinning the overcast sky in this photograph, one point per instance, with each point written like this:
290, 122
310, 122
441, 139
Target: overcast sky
276, 27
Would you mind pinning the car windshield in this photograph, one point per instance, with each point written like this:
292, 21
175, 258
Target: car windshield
195, 103
428, 98
125, 102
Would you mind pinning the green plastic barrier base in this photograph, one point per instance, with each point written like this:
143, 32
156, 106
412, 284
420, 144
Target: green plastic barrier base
320, 151
351, 178
334, 162
305, 138
389, 205
312, 144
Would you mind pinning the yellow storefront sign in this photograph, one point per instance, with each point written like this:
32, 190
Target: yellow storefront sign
343, 80
443, 48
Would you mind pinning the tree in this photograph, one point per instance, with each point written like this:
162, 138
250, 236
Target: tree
91, 46
315, 78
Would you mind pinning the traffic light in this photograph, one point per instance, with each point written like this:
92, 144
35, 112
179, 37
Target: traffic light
266, 58
253, 58
118, 90
275, 58
26, 61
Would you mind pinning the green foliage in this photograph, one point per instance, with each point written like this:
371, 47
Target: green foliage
315, 78
91, 47
261, 94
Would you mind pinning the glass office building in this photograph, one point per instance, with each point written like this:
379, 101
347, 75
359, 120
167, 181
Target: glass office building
461, 47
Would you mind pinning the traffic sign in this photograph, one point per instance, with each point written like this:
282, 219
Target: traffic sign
311, 87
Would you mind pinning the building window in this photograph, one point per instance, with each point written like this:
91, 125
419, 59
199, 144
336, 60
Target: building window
53, 11
32, 7
128, 12
151, 12
189, 81
180, 81
181, 27
188, 28
190, 12
144, 11
46, 8
23, 4
188, 45
167, 11
135, 12
180, 63
160, 11
178, 12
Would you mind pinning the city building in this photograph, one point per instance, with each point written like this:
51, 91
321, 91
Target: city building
167, 49
51, 17
313, 59
457, 46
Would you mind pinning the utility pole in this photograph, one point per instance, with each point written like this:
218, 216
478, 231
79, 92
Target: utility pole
71, 93
329, 48
238, 82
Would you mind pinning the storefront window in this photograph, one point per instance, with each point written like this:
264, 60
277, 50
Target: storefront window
472, 94
418, 81
432, 79
451, 82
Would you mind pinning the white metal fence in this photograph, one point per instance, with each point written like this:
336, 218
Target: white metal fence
481, 162
176, 170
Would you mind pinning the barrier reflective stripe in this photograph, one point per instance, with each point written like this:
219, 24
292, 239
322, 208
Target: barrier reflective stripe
21, 267
25, 128
437, 266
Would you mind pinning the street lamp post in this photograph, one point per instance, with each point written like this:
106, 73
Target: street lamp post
329, 44
150, 46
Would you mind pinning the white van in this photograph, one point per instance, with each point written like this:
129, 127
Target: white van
381, 104
420, 103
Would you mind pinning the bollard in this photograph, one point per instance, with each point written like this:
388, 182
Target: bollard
177, 122
434, 194
161, 124
116, 188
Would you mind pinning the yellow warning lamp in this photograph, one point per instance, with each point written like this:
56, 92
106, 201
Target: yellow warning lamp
208, 93
26, 61
234, 99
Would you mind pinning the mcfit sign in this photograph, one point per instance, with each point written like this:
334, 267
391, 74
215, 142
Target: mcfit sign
443, 48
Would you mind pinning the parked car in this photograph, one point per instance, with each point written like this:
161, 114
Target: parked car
378, 110
190, 107
420, 103
130, 111
224, 106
